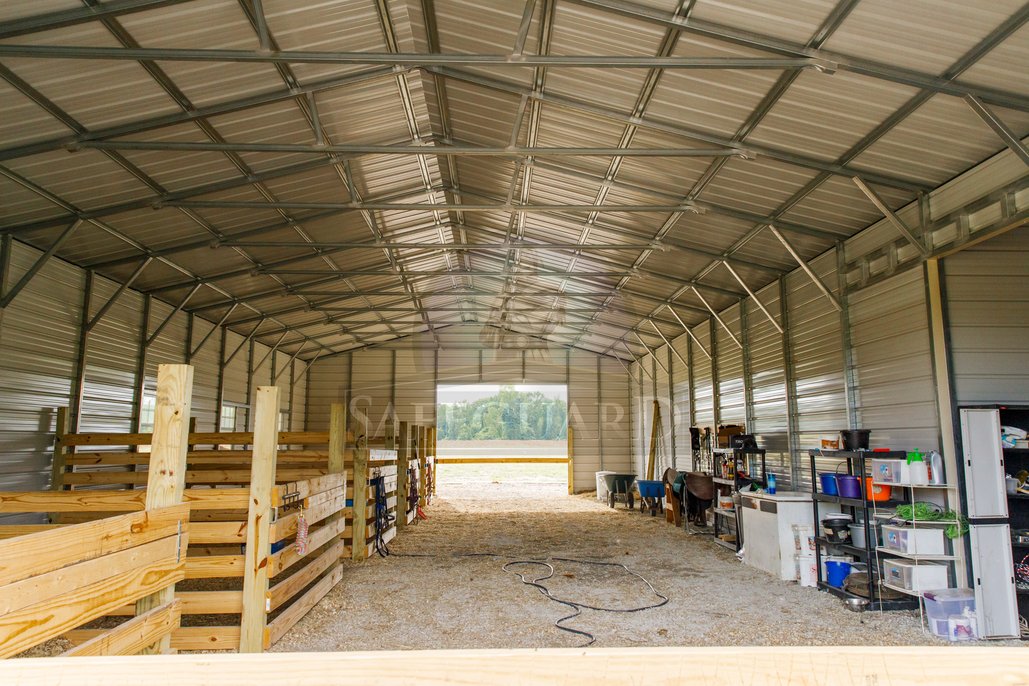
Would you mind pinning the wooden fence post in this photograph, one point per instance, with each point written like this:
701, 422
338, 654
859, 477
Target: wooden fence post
359, 536
166, 479
337, 448
262, 480
403, 484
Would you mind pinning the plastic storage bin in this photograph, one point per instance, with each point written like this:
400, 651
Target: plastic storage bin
915, 576
889, 471
946, 604
913, 540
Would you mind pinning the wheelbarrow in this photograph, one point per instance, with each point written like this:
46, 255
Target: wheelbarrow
652, 492
619, 486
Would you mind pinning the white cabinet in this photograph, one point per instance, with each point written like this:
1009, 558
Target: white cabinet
984, 464
995, 600
768, 530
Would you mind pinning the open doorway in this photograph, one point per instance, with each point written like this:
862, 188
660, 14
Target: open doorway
501, 440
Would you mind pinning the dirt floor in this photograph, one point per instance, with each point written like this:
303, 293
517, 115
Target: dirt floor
443, 601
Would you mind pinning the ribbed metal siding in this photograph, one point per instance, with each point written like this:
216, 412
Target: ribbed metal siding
299, 415
614, 416
39, 334
205, 376
170, 346
768, 384
817, 346
372, 387
235, 373
109, 392
703, 392
681, 410
327, 383
889, 330
731, 397
665, 453
416, 385
583, 416
987, 291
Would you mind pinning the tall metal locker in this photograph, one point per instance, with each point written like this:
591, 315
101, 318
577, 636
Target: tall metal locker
990, 532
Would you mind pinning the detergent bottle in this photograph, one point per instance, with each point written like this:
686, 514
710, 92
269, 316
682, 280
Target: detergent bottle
934, 461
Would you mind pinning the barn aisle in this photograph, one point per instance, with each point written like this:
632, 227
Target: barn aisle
445, 601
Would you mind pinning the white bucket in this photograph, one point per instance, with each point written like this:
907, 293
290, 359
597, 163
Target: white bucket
807, 570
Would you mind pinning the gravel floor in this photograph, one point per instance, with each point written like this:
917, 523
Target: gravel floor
470, 602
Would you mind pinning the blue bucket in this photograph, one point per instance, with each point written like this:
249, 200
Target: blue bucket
828, 484
836, 572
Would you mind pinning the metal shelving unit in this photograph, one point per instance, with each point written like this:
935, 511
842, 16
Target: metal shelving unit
742, 460
857, 465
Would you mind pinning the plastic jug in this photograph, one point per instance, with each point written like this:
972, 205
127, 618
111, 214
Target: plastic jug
934, 461
771, 484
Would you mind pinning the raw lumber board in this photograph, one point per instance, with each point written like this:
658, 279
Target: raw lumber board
132, 636
183, 638
25, 628
73, 578
214, 566
302, 605
756, 666
283, 591
50, 550
199, 603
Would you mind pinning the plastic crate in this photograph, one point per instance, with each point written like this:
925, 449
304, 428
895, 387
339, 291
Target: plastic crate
915, 576
890, 471
947, 603
913, 540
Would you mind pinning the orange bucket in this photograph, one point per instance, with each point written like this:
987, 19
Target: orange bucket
876, 492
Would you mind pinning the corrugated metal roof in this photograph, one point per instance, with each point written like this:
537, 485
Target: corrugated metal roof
205, 153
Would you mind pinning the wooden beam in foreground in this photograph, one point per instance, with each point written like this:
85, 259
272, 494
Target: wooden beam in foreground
754, 666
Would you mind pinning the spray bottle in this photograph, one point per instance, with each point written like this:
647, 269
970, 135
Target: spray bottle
917, 470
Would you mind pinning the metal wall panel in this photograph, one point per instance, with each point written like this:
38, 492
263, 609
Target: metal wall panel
583, 415
372, 387
682, 394
39, 335
416, 385
205, 376
39, 343
414, 388
987, 294
731, 396
768, 385
703, 392
235, 374
327, 382
896, 395
109, 392
614, 418
816, 344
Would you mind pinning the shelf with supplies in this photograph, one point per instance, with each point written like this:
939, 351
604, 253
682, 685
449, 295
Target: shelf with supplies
862, 511
914, 556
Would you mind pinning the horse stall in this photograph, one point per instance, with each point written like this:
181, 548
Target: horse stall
267, 527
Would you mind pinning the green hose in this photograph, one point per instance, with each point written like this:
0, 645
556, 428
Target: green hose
931, 512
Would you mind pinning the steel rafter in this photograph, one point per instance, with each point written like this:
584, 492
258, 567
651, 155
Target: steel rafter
937, 84
87, 52
831, 23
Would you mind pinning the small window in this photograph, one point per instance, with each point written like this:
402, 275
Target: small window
147, 410
146, 413
228, 418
